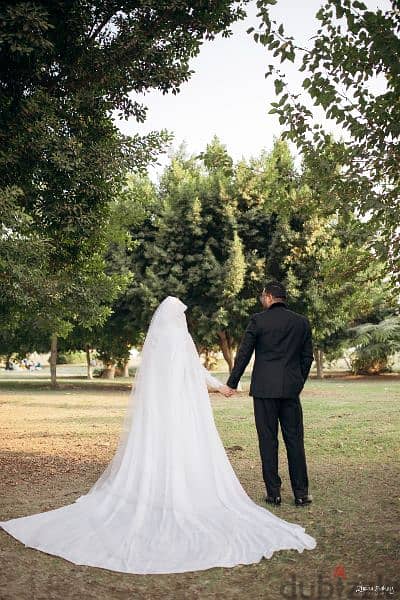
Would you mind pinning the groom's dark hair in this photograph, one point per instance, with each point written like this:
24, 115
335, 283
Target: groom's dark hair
276, 289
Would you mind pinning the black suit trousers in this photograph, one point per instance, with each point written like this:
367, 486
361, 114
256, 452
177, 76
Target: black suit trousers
268, 412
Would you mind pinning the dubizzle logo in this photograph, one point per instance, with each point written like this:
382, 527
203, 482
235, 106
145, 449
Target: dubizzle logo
339, 571
337, 586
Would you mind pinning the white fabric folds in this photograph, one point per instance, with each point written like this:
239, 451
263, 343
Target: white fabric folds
169, 501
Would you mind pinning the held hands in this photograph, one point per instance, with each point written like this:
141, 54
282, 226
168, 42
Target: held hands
226, 391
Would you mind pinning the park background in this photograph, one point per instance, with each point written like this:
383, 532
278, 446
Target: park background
108, 207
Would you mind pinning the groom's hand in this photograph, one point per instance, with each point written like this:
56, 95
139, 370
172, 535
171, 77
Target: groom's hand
226, 391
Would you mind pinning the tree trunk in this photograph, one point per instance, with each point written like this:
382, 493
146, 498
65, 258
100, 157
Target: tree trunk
125, 368
319, 360
53, 361
108, 371
207, 359
226, 348
89, 363
348, 363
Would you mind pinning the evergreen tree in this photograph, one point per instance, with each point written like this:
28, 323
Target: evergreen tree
197, 253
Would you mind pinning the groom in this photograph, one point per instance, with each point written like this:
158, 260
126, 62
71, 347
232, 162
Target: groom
282, 342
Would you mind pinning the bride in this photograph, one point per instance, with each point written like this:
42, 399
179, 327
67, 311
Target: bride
169, 501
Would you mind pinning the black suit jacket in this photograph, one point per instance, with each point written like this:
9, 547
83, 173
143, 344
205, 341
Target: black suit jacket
282, 342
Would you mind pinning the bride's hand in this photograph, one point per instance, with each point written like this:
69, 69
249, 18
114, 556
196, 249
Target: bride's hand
226, 391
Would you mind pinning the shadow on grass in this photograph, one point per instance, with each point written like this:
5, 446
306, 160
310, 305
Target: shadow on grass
68, 383
64, 405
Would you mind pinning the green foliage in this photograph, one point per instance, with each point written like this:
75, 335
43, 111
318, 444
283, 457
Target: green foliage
374, 344
264, 190
334, 275
71, 358
120, 330
65, 68
22, 249
214, 232
354, 52
196, 253
215, 235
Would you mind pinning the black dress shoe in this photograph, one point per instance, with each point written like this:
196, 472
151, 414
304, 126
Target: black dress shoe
273, 500
302, 500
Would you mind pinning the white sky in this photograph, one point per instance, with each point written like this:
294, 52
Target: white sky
228, 95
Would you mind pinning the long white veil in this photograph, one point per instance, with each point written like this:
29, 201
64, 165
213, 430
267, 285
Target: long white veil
155, 390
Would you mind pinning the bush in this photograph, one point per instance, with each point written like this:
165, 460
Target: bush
364, 365
375, 344
70, 358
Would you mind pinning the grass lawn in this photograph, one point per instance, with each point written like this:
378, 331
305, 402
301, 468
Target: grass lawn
55, 444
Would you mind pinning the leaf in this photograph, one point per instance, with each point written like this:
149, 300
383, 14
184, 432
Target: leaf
279, 85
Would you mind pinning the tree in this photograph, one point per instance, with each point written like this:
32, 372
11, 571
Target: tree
213, 232
264, 192
292, 231
21, 274
223, 274
374, 344
335, 280
351, 72
41, 304
113, 337
202, 262
64, 68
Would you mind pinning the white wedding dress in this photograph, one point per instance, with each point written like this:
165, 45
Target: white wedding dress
169, 501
